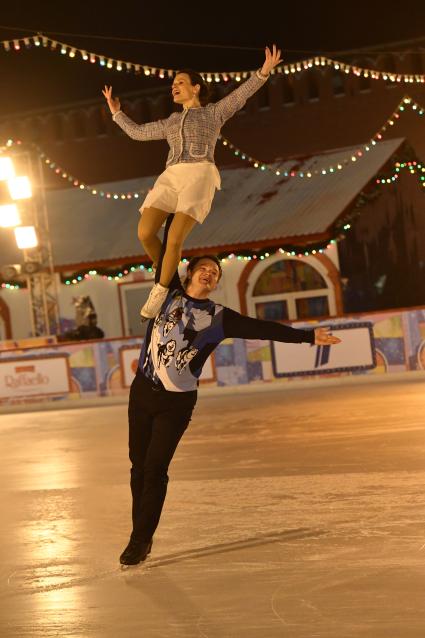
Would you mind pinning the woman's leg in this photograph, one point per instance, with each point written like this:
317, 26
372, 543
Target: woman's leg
180, 228
150, 222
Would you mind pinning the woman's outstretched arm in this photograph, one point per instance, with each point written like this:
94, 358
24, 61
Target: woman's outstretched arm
142, 132
234, 101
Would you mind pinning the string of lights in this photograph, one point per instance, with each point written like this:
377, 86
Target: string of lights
73, 52
290, 250
405, 103
92, 190
247, 255
11, 285
413, 166
67, 176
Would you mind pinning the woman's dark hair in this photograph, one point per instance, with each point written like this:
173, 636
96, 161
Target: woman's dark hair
196, 78
192, 263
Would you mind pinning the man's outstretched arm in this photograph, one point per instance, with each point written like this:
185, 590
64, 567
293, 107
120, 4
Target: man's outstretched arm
243, 327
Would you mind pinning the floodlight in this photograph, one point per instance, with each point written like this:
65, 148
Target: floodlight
26, 237
9, 216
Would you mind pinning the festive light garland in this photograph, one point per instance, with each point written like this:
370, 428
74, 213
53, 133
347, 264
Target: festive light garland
248, 255
404, 103
77, 183
354, 156
290, 250
73, 52
92, 190
413, 167
11, 285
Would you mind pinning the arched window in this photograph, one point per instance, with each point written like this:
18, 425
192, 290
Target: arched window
413, 62
141, 111
338, 83
55, 129
78, 125
97, 121
386, 62
287, 83
290, 289
263, 97
164, 106
312, 85
32, 129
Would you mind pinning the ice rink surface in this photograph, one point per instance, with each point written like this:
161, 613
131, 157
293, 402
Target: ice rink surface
296, 513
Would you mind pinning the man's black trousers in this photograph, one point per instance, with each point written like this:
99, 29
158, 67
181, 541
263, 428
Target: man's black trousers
157, 421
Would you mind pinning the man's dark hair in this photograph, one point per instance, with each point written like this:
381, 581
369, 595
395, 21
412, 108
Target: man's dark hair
192, 263
196, 78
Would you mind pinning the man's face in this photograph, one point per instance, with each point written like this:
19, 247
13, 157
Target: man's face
206, 274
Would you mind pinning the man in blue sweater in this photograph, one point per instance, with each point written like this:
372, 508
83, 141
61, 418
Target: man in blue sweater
163, 394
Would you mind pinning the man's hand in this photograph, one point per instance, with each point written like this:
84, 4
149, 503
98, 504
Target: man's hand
323, 337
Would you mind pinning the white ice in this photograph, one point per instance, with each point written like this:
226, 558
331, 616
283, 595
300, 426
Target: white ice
295, 513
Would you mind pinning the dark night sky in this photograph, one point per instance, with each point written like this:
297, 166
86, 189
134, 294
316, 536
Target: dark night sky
38, 78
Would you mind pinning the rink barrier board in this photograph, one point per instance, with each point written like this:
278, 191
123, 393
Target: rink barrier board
100, 367
356, 353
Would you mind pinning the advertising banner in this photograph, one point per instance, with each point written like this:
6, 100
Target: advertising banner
34, 376
355, 353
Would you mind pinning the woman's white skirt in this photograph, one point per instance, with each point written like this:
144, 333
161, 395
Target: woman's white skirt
187, 188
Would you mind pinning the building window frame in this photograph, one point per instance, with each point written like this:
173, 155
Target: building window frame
290, 297
144, 287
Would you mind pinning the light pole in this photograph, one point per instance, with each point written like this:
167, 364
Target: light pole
31, 227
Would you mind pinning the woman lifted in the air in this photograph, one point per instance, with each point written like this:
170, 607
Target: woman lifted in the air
187, 186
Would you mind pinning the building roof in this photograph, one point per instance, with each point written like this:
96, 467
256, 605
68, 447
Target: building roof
253, 207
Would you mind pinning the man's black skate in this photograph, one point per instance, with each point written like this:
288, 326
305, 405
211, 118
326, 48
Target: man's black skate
135, 552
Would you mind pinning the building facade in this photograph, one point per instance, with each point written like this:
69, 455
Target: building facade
292, 115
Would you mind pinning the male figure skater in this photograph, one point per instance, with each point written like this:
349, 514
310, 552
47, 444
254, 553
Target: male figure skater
163, 394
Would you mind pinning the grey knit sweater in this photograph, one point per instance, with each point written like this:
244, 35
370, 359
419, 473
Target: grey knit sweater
192, 133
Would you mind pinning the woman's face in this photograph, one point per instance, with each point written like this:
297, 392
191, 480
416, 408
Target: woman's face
182, 89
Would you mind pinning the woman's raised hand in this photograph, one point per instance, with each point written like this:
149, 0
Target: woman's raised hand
113, 102
272, 59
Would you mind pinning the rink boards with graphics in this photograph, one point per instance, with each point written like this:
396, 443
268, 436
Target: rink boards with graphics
373, 343
355, 353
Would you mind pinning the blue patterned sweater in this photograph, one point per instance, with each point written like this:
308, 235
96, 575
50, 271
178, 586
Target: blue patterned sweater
187, 330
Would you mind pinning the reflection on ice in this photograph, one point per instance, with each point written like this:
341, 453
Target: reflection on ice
54, 471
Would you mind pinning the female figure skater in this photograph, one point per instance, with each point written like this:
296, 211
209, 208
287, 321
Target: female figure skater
186, 188
164, 391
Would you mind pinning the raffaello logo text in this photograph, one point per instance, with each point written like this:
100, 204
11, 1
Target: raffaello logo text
26, 377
